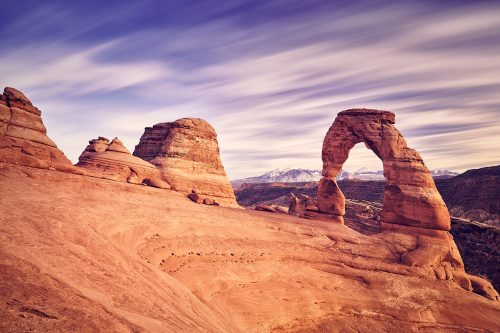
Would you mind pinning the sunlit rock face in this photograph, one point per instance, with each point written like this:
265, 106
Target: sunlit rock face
412, 205
187, 154
411, 200
23, 137
112, 160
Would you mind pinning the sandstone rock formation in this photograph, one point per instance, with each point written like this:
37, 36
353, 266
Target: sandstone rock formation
412, 204
187, 154
23, 137
111, 160
411, 200
300, 204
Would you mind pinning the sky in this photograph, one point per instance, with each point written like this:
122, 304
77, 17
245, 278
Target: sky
270, 76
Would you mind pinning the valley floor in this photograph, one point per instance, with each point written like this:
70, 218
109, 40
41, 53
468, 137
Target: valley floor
85, 254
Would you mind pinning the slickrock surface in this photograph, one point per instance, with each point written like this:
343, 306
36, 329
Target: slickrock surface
411, 200
187, 154
150, 260
479, 243
112, 160
23, 137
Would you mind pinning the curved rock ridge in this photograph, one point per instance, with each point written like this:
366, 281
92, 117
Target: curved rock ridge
112, 160
186, 152
23, 136
411, 200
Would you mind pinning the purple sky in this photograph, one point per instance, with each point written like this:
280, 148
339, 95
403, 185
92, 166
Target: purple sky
269, 75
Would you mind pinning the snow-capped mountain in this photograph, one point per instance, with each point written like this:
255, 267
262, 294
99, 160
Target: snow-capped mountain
287, 176
342, 175
443, 174
309, 175
367, 174
290, 176
282, 175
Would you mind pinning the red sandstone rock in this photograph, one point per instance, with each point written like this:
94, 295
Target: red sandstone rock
187, 154
208, 201
295, 207
312, 208
24, 139
484, 288
111, 160
265, 208
195, 197
412, 204
410, 196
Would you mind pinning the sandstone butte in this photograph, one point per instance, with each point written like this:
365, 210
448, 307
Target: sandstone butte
80, 253
186, 152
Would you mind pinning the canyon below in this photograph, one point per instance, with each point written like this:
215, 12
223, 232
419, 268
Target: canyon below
157, 240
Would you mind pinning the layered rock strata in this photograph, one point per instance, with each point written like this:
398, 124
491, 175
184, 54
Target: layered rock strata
411, 200
23, 136
112, 160
187, 154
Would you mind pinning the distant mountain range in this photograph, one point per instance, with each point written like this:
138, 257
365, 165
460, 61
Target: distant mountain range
311, 175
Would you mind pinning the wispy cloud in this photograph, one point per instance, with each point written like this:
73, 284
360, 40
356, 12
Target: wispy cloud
269, 77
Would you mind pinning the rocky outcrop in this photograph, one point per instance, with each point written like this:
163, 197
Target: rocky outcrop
111, 160
411, 201
474, 195
412, 205
301, 204
23, 136
271, 209
187, 154
200, 199
479, 245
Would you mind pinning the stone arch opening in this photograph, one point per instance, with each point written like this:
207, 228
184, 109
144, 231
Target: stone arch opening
363, 164
411, 201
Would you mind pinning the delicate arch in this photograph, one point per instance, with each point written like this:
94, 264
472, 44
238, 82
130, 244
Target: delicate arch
410, 196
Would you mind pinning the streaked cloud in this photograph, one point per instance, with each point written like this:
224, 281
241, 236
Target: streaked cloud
270, 77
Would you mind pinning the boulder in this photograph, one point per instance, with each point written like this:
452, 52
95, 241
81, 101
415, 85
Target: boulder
208, 201
484, 288
187, 154
23, 136
195, 197
265, 208
112, 160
